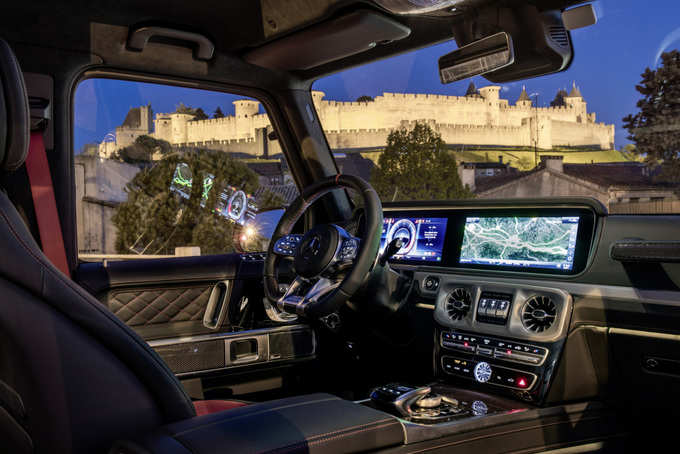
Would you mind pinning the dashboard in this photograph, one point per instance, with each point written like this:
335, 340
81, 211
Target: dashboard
484, 266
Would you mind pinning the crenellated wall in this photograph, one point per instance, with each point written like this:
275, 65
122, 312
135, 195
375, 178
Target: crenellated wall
483, 119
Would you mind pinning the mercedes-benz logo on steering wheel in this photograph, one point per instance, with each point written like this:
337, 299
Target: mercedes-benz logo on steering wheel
312, 248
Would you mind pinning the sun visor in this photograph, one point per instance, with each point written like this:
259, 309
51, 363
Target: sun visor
332, 40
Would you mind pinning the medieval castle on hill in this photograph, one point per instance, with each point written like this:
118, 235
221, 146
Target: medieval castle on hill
480, 117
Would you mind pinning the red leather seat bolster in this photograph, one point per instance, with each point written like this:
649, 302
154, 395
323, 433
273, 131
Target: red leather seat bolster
206, 407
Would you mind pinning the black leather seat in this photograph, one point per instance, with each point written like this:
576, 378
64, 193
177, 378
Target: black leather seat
74, 378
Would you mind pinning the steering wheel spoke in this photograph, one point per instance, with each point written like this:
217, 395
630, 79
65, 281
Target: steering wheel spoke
286, 246
303, 292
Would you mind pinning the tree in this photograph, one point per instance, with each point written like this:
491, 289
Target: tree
199, 114
364, 98
156, 219
181, 108
654, 128
142, 150
417, 166
629, 152
218, 113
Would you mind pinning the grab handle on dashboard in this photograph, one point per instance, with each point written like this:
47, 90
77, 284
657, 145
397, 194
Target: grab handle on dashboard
645, 251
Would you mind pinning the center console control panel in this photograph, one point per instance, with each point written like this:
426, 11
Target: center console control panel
494, 348
498, 335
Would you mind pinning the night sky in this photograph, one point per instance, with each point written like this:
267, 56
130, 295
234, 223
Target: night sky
609, 58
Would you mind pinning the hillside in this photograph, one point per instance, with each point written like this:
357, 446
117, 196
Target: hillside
523, 159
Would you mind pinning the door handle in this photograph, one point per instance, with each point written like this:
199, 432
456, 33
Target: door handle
216, 310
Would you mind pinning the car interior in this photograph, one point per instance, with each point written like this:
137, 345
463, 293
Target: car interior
331, 337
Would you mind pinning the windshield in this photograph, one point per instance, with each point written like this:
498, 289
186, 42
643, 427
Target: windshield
605, 128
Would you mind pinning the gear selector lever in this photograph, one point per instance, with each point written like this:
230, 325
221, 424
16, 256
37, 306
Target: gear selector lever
392, 248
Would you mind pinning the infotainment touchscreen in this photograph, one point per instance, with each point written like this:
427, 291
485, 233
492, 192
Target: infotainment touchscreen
423, 238
522, 242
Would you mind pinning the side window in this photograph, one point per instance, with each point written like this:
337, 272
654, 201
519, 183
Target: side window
164, 171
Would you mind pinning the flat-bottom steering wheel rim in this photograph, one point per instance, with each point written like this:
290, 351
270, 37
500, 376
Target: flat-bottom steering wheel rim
365, 256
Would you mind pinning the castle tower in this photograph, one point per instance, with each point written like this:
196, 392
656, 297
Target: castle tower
145, 118
317, 96
178, 127
246, 108
575, 100
491, 93
524, 100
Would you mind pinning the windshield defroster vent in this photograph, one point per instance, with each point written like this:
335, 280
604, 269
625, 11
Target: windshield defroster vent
539, 313
458, 303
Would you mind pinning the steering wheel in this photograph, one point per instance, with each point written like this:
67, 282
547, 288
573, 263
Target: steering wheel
330, 264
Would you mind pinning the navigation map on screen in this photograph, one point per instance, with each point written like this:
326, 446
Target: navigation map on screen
536, 242
423, 238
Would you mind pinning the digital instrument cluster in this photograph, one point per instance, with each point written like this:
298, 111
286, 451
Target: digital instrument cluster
422, 238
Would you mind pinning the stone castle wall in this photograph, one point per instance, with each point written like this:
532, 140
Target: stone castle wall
571, 134
483, 119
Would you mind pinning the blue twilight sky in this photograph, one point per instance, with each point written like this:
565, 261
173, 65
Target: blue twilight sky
609, 58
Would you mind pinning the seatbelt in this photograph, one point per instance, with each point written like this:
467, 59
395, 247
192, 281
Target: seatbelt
44, 203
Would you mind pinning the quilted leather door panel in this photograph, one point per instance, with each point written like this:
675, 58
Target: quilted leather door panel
162, 298
161, 305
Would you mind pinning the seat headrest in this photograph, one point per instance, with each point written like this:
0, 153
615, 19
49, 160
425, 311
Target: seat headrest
15, 120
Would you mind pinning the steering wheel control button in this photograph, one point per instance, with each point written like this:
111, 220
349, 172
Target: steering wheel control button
431, 283
349, 249
287, 245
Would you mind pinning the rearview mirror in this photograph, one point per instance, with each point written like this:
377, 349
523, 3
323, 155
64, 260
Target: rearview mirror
480, 57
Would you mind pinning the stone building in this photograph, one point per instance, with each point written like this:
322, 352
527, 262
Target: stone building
480, 117
620, 186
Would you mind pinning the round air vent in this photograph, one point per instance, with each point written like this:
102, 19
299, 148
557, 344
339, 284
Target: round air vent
539, 313
458, 303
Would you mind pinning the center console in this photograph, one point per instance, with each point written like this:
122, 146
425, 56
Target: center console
499, 337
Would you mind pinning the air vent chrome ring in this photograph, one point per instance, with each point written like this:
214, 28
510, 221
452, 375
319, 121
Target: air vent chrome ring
539, 313
458, 303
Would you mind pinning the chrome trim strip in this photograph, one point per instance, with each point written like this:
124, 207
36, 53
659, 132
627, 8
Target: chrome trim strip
229, 335
238, 366
647, 334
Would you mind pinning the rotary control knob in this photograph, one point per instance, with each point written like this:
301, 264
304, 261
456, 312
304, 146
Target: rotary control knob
482, 372
429, 401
